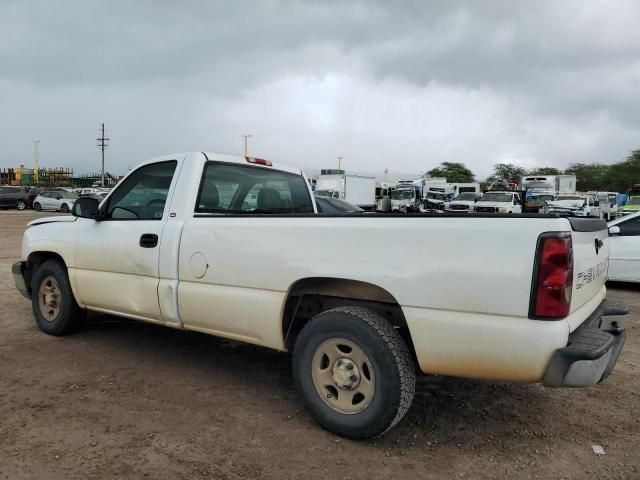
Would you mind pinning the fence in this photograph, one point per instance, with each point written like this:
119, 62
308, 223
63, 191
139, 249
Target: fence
53, 177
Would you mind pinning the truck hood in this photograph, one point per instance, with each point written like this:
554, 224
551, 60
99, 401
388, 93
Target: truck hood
468, 203
41, 221
493, 204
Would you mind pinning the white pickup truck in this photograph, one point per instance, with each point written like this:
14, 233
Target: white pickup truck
176, 243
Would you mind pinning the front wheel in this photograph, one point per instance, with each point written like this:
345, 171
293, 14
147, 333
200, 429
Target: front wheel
64, 208
21, 205
54, 306
354, 372
37, 207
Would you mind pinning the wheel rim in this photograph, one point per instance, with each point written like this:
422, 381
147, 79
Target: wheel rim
49, 297
21, 205
343, 376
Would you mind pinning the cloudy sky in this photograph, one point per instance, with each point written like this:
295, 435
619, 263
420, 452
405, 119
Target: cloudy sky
402, 85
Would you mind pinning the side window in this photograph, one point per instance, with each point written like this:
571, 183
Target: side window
230, 188
630, 228
142, 196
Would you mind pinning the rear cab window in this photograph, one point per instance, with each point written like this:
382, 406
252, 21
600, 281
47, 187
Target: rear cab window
228, 188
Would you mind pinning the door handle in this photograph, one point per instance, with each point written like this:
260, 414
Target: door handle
148, 240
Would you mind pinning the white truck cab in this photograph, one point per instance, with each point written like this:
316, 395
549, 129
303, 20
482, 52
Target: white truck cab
234, 247
499, 202
575, 205
465, 202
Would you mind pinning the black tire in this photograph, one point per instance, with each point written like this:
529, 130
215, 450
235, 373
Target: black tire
21, 205
37, 207
64, 208
392, 364
69, 317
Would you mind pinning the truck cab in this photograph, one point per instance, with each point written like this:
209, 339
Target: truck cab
499, 202
575, 205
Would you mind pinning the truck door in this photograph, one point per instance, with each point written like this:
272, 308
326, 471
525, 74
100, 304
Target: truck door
594, 211
117, 258
517, 204
228, 286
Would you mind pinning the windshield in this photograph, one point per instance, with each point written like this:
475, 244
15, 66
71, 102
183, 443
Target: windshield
542, 198
634, 201
436, 196
496, 197
403, 194
568, 197
467, 197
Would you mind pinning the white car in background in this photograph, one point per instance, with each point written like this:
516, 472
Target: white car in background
57, 200
624, 248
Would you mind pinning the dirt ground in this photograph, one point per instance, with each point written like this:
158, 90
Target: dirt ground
123, 399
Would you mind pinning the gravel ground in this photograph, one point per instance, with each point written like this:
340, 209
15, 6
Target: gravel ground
129, 400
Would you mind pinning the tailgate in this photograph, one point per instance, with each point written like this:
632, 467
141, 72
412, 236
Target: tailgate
590, 259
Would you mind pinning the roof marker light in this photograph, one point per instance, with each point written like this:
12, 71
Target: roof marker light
259, 161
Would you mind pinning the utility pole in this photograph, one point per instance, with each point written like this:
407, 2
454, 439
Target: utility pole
36, 174
246, 144
103, 143
339, 163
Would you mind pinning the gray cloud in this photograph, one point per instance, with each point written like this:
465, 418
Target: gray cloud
401, 85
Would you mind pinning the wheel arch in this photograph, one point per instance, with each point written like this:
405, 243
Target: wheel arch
309, 296
35, 259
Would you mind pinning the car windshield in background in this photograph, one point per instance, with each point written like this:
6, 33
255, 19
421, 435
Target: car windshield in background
336, 205
324, 193
69, 196
542, 198
402, 194
634, 201
496, 197
436, 196
568, 197
466, 197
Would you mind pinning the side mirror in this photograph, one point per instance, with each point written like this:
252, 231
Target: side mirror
615, 230
85, 207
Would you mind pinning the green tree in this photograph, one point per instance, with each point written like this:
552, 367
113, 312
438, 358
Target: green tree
506, 171
544, 171
622, 176
592, 176
453, 172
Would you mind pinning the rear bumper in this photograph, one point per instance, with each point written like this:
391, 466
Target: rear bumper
17, 269
592, 350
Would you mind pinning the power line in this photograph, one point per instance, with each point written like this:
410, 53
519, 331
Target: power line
103, 142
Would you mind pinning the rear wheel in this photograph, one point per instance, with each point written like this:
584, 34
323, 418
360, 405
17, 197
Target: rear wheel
54, 306
21, 205
37, 207
354, 372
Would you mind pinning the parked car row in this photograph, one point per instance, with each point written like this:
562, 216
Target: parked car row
59, 199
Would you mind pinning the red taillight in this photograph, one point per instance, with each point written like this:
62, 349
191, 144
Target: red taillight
554, 281
259, 161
